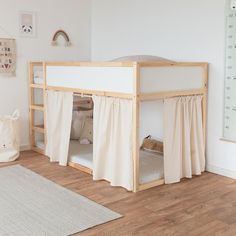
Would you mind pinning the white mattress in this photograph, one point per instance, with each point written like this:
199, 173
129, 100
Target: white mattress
151, 165
81, 154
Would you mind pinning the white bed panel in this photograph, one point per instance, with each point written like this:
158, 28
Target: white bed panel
160, 79
110, 79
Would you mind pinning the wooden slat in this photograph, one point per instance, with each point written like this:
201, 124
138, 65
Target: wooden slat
91, 92
39, 129
151, 184
81, 167
37, 63
168, 94
93, 64
38, 86
128, 64
37, 107
172, 64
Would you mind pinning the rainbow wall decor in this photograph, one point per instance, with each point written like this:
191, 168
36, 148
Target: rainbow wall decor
63, 34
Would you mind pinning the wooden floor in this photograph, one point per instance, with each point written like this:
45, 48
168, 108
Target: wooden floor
205, 205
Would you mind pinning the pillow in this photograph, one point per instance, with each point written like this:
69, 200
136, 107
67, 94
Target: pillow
82, 103
152, 145
76, 125
78, 121
87, 132
142, 58
85, 114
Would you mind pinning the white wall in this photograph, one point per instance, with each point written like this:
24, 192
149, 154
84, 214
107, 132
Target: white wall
185, 30
73, 16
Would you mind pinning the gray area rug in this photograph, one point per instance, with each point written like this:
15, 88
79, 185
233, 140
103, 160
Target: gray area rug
32, 205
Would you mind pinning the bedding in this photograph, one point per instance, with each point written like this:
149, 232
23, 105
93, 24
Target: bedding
151, 165
82, 103
78, 122
87, 132
81, 154
141, 58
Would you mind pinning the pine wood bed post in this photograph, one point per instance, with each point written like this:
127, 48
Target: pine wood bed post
45, 104
35, 128
136, 121
204, 100
31, 112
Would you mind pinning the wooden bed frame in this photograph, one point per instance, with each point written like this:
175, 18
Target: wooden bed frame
137, 97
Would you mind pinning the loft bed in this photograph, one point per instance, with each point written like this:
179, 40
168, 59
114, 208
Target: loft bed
138, 81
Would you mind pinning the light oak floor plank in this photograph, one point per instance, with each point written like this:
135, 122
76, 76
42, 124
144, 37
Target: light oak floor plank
205, 205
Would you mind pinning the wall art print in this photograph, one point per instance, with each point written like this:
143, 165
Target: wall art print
7, 56
64, 35
27, 24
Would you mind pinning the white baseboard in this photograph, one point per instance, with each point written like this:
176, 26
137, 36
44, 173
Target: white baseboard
221, 171
24, 148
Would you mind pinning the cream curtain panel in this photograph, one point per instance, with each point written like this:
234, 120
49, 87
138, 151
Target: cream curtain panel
112, 141
183, 138
58, 123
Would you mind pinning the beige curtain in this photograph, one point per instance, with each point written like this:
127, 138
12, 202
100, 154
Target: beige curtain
183, 138
58, 123
112, 141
